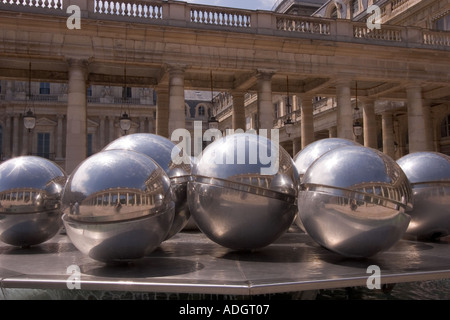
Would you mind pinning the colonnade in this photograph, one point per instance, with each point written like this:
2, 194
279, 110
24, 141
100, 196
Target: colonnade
170, 115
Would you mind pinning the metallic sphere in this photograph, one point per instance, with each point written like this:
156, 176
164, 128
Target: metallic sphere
315, 150
118, 206
160, 149
30, 200
243, 190
311, 153
429, 175
353, 200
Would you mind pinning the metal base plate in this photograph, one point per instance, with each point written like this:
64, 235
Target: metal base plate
191, 263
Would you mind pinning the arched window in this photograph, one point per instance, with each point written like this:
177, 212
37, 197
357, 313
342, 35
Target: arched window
201, 111
43, 146
445, 127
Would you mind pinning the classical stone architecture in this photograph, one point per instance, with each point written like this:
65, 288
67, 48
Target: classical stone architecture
268, 67
298, 7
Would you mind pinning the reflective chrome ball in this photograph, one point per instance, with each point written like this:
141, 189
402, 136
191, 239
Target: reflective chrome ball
353, 199
30, 200
311, 153
162, 150
118, 206
315, 150
243, 190
429, 175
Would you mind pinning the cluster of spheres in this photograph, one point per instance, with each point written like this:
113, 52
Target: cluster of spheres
243, 192
123, 202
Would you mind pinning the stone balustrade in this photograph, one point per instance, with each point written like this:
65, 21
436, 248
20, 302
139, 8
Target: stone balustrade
182, 14
436, 38
46, 4
139, 9
385, 34
303, 25
220, 16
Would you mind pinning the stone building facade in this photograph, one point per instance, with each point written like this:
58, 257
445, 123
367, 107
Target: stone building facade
265, 68
389, 117
105, 105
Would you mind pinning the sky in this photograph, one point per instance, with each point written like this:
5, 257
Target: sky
241, 4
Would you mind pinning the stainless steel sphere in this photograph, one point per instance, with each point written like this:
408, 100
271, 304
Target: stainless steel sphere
161, 149
30, 200
240, 198
118, 206
315, 150
353, 200
311, 153
429, 175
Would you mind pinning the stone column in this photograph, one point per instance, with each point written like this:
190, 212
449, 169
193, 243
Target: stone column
307, 126
419, 121
344, 110
296, 146
238, 110
177, 117
15, 141
295, 102
265, 106
150, 125
111, 135
162, 112
59, 137
76, 136
370, 124
332, 132
388, 134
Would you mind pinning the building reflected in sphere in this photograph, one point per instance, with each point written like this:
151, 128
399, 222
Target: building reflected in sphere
118, 206
30, 200
161, 149
429, 175
241, 198
315, 150
353, 201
